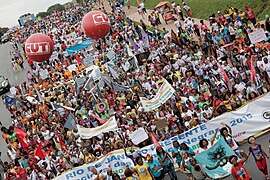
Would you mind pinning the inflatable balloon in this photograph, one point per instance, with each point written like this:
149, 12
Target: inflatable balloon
96, 24
39, 47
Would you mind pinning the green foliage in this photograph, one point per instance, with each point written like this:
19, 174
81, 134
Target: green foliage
42, 15
204, 8
3, 31
56, 7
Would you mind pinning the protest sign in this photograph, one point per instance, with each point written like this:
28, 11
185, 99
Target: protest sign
138, 136
257, 119
111, 55
257, 36
72, 68
43, 73
165, 92
215, 160
80, 81
89, 61
87, 133
161, 124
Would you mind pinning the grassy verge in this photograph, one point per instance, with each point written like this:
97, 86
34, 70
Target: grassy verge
204, 8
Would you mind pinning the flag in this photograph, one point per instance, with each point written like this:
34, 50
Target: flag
252, 70
133, 63
24, 145
39, 96
216, 160
77, 89
174, 38
9, 100
154, 140
99, 92
136, 46
59, 143
70, 122
89, 83
118, 88
97, 117
145, 39
39, 152
142, 57
55, 106
20, 133
224, 74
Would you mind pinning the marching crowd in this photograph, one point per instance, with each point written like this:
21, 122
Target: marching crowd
218, 74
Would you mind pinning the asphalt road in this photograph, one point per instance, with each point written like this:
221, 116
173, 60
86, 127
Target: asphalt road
20, 76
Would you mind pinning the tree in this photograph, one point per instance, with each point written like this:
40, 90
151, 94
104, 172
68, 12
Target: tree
42, 15
3, 31
56, 7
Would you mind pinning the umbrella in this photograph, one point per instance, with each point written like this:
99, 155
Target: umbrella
162, 4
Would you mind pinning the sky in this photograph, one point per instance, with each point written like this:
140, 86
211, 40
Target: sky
10, 10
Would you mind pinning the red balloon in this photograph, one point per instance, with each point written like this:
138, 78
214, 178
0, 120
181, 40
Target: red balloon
96, 24
39, 47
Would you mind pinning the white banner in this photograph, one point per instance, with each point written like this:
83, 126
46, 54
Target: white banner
165, 92
138, 136
257, 36
245, 122
87, 133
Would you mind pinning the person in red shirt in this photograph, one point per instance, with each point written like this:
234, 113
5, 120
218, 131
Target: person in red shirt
250, 14
21, 173
238, 170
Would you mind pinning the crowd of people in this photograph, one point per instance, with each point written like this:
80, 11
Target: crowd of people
211, 76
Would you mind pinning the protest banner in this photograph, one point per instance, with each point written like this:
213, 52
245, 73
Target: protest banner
87, 133
257, 36
165, 92
79, 46
138, 136
256, 119
215, 160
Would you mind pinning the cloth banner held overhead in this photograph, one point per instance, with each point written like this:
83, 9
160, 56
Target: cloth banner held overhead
87, 133
215, 160
165, 92
138, 136
257, 120
79, 46
257, 36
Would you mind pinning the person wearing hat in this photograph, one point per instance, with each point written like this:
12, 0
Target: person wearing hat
238, 170
259, 155
155, 167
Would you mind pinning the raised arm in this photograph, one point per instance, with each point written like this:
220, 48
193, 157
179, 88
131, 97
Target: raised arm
214, 137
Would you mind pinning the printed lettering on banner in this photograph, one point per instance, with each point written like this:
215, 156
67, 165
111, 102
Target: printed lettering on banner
245, 122
165, 92
257, 36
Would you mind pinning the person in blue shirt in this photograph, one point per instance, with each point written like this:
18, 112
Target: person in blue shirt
187, 149
155, 167
166, 161
176, 152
